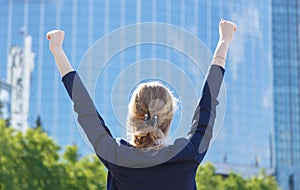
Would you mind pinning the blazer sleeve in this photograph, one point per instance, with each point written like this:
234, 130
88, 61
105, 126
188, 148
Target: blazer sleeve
88, 117
86, 107
205, 112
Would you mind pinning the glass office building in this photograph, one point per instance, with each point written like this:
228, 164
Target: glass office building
244, 139
286, 58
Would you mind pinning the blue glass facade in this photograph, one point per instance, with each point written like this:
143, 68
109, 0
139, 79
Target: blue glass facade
244, 138
286, 57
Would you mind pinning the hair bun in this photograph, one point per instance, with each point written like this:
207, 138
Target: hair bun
150, 113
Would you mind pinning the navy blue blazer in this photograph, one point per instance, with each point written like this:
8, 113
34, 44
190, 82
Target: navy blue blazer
129, 168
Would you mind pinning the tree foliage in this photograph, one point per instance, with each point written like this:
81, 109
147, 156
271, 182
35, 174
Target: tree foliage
207, 180
31, 160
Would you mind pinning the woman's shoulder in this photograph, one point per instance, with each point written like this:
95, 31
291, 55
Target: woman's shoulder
184, 149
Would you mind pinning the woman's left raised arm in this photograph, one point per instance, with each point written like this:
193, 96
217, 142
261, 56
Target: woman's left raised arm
56, 38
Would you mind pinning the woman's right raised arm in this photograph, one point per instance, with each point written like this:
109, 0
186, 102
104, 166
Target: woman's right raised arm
88, 116
205, 113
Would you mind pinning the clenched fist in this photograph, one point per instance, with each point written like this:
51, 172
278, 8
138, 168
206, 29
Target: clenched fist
226, 30
56, 38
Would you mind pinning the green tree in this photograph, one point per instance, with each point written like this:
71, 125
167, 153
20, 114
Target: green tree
6, 157
262, 182
28, 159
232, 182
84, 173
207, 179
31, 160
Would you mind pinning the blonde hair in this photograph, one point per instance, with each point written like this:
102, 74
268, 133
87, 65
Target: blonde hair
150, 113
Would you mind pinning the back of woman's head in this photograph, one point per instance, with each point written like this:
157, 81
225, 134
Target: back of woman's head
150, 113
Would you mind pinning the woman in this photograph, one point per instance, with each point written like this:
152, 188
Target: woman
145, 162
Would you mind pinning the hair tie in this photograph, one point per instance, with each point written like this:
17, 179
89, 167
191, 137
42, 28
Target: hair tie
150, 121
147, 116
